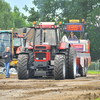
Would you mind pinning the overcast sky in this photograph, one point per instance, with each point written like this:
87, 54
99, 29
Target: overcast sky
20, 4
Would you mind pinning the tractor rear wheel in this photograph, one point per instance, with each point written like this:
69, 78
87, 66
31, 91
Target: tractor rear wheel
23, 73
72, 63
86, 68
31, 71
59, 67
82, 71
67, 63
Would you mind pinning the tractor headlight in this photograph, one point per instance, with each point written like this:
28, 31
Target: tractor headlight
37, 58
52, 26
44, 58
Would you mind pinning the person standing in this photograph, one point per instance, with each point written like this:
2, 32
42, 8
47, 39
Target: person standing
8, 57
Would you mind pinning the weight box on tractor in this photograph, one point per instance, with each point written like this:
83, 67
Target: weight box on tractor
52, 54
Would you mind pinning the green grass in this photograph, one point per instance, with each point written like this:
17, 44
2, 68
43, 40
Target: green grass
2, 74
97, 99
93, 72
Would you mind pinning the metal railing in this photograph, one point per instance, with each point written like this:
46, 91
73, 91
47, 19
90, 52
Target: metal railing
95, 66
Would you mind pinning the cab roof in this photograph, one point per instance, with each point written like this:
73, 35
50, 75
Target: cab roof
5, 31
47, 23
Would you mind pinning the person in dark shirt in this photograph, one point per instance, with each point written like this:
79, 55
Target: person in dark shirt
8, 57
72, 36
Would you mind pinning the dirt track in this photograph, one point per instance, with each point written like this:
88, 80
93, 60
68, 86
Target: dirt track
46, 88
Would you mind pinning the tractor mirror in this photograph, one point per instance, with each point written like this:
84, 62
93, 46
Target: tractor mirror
24, 30
86, 36
25, 38
24, 41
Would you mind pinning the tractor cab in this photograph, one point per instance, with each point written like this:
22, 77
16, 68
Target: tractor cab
5, 41
45, 44
18, 43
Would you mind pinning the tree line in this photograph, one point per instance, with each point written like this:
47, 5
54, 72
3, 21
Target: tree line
12, 19
56, 10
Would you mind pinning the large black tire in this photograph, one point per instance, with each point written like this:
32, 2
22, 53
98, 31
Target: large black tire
31, 71
67, 63
86, 69
72, 63
2, 63
59, 67
23, 73
2, 66
82, 71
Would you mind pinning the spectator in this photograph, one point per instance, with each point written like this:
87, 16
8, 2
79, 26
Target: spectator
8, 57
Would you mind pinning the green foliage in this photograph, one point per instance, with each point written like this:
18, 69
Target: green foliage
9, 19
64, 10
6, 15
34, 15
93, 72
18, 21
97, 99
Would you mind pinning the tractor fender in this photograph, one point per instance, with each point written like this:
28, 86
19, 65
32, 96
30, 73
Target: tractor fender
24, 53
58, 53
64, 45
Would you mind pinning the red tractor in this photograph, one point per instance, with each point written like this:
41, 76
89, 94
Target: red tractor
49, 53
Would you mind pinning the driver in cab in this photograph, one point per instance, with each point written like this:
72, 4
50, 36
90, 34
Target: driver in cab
72, 36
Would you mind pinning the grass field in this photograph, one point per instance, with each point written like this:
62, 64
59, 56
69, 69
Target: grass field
2, 74
89, 72
93, 72
97, 99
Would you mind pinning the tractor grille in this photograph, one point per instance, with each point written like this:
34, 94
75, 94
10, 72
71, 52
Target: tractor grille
40, 47
40, 56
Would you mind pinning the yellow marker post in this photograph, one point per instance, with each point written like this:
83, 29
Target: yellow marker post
12, 42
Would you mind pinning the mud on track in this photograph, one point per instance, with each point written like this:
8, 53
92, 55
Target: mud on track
46, 88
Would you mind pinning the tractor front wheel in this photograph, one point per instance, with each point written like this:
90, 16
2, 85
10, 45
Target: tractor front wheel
86, 68
59, 67
23, 73
67, 63
82, 71
31, 71
72, 63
